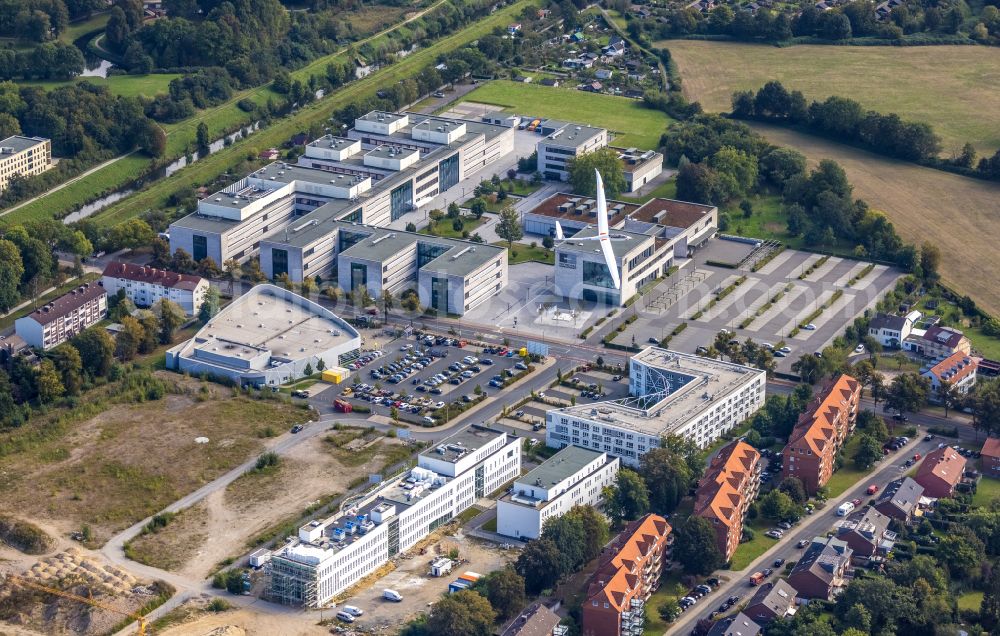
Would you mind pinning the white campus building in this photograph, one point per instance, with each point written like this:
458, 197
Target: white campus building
331, 555
670, 393
574, 476
145, 285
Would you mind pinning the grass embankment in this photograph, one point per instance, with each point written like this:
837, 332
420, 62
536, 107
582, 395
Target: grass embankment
631, 123
24, 536
318, 112
126, 85
953, 88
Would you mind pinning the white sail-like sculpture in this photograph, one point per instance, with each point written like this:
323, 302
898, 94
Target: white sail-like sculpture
604, 236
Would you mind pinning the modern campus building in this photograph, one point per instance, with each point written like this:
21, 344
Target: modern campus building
387, 165
820, 433
145, 285
563, 142
648, 240
670, 393
267, 336
628, 573
59, 320
451, 276
726, 491
24, 156
572, 477
331, 555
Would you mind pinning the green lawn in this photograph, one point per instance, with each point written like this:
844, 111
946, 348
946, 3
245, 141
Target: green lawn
491, 525
444, 227
126, 85
970, 601
83, 27
632, 124
525, 253
847, 475
670, 589
886, 362
987, 490
747, 552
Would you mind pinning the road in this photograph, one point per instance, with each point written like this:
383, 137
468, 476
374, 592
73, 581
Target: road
891, 467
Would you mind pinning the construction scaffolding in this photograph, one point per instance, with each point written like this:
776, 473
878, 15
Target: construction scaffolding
290, 583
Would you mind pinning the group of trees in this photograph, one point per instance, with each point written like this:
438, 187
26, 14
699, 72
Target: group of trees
28, 263
746, 352
566, 544
47, 61
42, 20
842, 118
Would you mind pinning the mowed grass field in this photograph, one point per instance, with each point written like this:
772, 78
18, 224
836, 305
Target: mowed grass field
960, 215
956, 89
127, 85
632, 124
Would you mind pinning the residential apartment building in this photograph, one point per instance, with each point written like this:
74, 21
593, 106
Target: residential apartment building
867, 533
823, 569
900, 500
667, 396
891, 330
145, 285
24, 156
958, 370
563, 142
59, 320
771, 601
726, 491
937, 343
331, 555
820, 433
990, 457
940, 471
572, 477
629, 572
389, 164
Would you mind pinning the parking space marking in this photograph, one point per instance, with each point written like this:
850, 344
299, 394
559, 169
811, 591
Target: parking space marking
866, 282
761, 322
824, 269
834, 311
808, 309
777, 262
724, 304
849, 274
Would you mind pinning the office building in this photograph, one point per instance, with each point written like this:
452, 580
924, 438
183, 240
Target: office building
820, 433
726, 491
267, 337
572, 477
628, 573
23, 156
329, 556
670, 393
59, 320
648, 240
389, 164
145, 285
563, 142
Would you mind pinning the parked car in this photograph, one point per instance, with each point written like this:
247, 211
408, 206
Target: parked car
801, 544
809, 326
872, 489
779, 562
297, 428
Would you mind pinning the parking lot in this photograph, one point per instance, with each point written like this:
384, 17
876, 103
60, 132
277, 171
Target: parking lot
771, 305
422, 377
588, 386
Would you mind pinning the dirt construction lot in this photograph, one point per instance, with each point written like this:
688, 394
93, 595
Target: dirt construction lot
106, 464
220, 527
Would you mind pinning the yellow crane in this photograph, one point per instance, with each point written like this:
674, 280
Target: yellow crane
141, 620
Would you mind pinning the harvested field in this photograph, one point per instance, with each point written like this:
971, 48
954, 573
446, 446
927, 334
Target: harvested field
107, 465
956, 89
960, 215
199, 538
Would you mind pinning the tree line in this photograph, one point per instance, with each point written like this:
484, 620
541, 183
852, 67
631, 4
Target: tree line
846, 120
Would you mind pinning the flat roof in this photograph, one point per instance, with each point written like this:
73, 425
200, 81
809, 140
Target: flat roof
458, 258
573, 135
382, 116
432, 124
564, 464
684, 403
20, 143
468, 440
622, 242
550, 208
270, 319
334, 142
389, 151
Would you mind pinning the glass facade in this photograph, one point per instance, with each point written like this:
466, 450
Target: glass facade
427, 252
199, 247
597, 274
279, 262
359, 275
401, 200
439, 294
347, 240
447, 173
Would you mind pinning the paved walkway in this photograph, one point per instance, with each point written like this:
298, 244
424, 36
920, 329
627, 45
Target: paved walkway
62, 185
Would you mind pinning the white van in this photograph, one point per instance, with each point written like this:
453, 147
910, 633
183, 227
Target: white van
392, 595
353, 611
845, 509
347, 617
